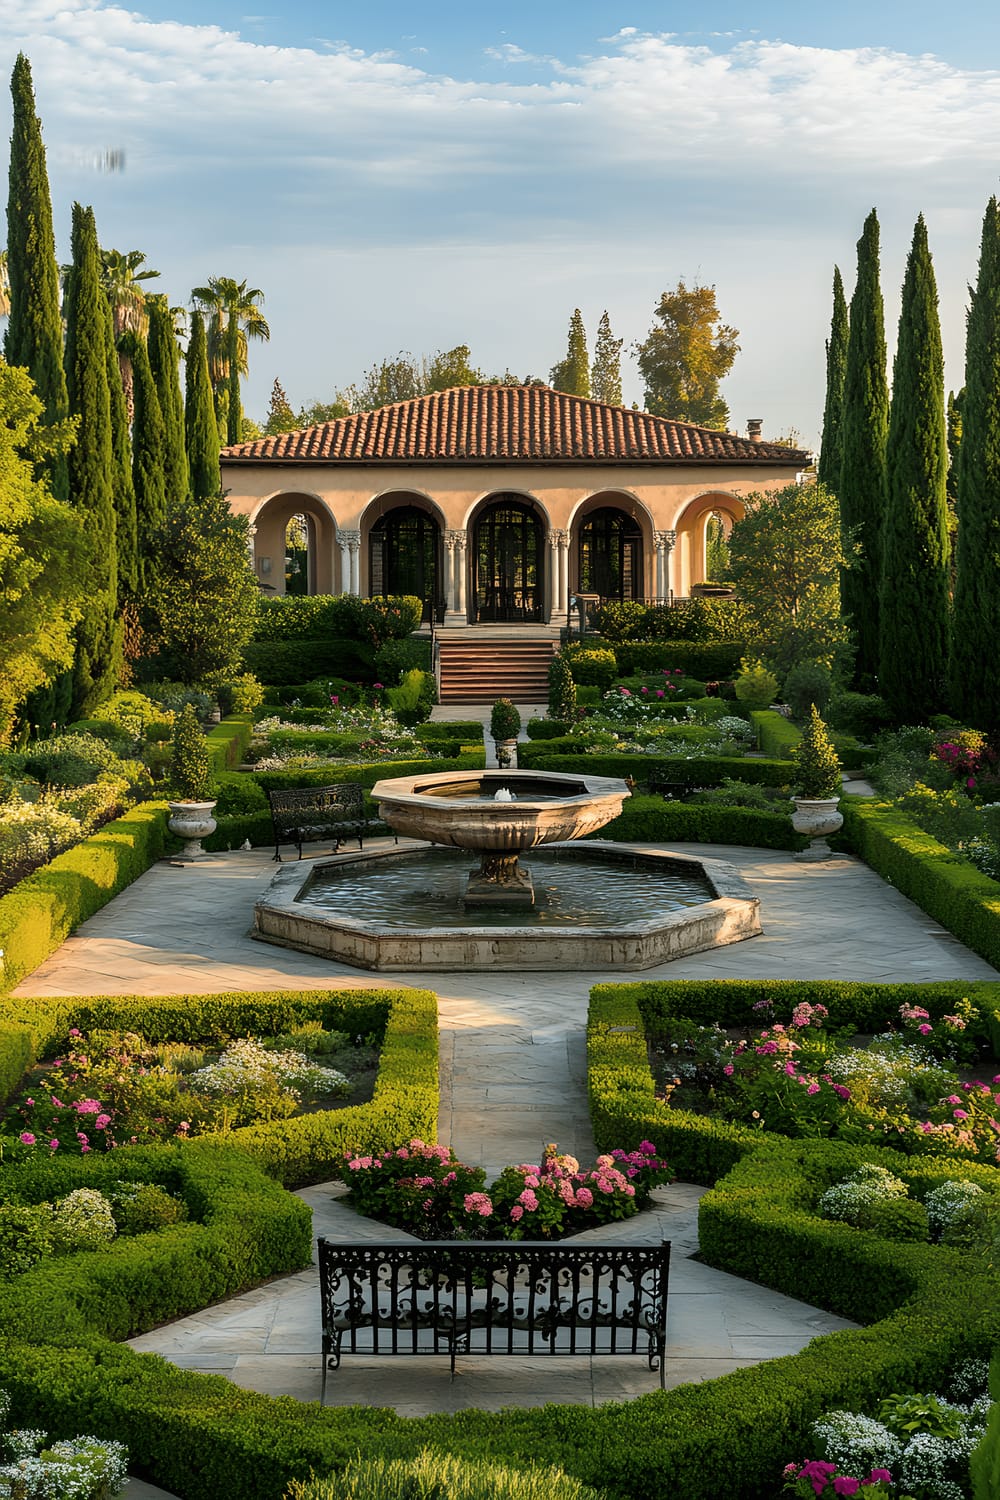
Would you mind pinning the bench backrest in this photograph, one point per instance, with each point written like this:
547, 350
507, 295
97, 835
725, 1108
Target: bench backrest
317, 806
506, 1297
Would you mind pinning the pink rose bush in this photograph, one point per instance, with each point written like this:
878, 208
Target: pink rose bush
444, 1199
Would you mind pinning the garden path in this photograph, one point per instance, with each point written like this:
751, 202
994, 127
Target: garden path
512, 1078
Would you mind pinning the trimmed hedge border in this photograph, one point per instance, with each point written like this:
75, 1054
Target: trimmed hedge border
651, 820
705, 661
776, 735
943, 884
682, 770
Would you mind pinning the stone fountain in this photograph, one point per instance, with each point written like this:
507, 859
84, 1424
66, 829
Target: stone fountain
593, 905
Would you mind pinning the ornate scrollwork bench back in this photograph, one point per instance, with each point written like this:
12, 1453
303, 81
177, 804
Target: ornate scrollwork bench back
505, 1297
318, 812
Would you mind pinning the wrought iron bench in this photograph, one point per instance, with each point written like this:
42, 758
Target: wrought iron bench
493, 1297
309, 813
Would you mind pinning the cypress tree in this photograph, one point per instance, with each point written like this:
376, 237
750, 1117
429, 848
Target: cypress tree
915, 546
572, 374
864, 425
831, 452
975, 659
164, 362
97, 668
124, 490
34, 325
953, 416
606, 371
200, 432
148, 445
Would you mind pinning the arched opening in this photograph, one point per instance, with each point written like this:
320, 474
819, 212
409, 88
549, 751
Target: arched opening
609, 559
690, 562
508, 563
404, 556
298, 545
717, 528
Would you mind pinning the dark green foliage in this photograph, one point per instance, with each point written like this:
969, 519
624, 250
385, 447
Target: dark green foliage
606, 370
562, 689
395, 657
201, 435
280, 417
387, 617
984, 1464
590, 666
572, 374
98, 663
897, 1219
861, 489
817, 769
708, 661
124, 491
278, 663
777, 737
148, 452
164, 363
205, 601
953, 418
863, 714
914, 609
34, 327
505, 720
807, 683
831, 454
682, 770
975, 660
189, 763
547, 729
653, 820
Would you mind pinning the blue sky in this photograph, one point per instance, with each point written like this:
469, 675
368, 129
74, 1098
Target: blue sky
416, 176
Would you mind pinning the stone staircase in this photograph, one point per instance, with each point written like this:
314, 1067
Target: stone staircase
480, 671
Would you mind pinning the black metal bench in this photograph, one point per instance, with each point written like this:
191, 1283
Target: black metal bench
306, 814
493, 1297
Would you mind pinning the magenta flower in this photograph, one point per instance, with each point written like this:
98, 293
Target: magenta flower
845, 1485
960, 1114
27, 1139
879, 1476
728, 1070
102, 1122
659, 692
53, 1144
925, 1030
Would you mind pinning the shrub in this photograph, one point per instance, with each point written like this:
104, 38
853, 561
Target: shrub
562, 690
505, 720
83, 1220
591, 666
443, 1477
817, 769
281, 662
850, 1201
70, 759
807, 683
394, 658
240, 694
948, 1205
26, 1235
756, 687
189, 773
414, 698
863, 714
898, 1219
140, 1207
708, 661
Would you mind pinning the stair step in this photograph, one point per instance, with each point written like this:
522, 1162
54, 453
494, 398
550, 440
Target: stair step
482, 671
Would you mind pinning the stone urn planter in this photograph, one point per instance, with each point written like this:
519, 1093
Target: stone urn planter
507, 754
191, 821
816, 817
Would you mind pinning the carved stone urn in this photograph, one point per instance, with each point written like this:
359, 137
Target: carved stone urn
816, 817
191, 821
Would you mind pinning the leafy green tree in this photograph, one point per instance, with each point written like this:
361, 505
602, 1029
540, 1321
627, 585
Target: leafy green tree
831, 454
200, 432
126, 538
572, 374
320, 412
683, 360
98, 664
393, 380
915, 546
164, 364
148, 449
975, 659
236, 317
784, 559
34, 336
280, 417
205, 603
864, 428
42, 553
606, 370
449, 368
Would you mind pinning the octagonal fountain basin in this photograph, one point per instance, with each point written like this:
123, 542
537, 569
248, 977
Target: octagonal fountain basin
597, 906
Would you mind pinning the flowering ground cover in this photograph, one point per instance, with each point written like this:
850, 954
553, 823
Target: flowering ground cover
427, 1191
107, 1089
914, 1086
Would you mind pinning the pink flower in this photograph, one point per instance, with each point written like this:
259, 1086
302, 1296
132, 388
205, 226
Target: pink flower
953, 1099
478, 1203
845, 1485
925, 1030
528, 1199
87, 1107
813, 1088
81, 1138
102, 1122
334, 699
27, 1139
56, 1103
53, 1144
729, 1070
517, 1212
74, 1031
584, 1198
960, 1114
879, 1476
659, 692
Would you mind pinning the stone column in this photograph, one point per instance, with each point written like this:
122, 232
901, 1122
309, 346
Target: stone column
352, 541
663, 542
345, 562
457, 613
559, 576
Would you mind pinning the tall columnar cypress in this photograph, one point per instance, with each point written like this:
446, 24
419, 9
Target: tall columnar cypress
572, 374
200, 431
164, 361
34, 326
831, 451
124, 490
914, 608
975, 657
148, 443
97, 668
864, 426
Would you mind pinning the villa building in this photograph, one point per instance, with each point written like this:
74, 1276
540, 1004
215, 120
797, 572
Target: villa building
498, 505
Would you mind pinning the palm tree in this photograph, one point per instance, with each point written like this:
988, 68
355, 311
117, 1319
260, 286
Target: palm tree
120, 277
235, 317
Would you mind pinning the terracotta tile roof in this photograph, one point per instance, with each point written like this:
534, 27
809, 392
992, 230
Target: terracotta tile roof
509, 424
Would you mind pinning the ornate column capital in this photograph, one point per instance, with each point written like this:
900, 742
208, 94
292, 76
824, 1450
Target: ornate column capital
453, 539
664, 540
558, 539
350, 539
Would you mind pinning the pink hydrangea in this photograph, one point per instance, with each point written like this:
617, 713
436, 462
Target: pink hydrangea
102, 1122
478, 1203
584, 1198
529, 1200
517, 1213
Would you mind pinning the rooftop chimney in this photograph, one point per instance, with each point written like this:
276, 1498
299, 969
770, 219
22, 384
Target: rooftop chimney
754, 424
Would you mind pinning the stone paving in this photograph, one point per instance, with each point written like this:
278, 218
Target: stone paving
512, 1077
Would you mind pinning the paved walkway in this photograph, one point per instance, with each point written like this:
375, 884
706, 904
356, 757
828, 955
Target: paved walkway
512, 1078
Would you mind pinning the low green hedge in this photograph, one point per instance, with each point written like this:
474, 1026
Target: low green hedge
547, 729
776, 735
368, 774
229, 741
652, 820
282, 663
709, 661
679, 770
44, 908
943, 884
